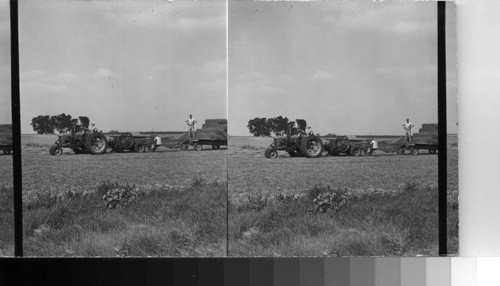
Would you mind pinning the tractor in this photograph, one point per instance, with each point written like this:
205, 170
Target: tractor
297, 145
93, 142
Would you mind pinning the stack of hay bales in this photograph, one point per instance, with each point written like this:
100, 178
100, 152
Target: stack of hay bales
428, 134
213, 129
5, 134
428, 128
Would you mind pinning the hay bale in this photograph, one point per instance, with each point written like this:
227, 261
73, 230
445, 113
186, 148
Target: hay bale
215, 121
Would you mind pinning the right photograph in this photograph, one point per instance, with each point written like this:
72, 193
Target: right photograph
333, 129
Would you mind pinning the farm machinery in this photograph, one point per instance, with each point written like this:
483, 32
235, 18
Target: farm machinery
6, 138
92, 142
126, 141
312, 146
297, 145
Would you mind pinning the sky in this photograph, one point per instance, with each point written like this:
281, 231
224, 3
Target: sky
5, 94
127, 65
346, 67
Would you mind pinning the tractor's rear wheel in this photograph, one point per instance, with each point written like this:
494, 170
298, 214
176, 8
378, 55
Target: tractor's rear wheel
312, 147
51, 150
271, 153
97, 143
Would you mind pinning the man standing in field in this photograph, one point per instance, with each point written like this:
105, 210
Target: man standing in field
191, 122
408, 126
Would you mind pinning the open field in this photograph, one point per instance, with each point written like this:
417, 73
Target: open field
173, 191
401, 184
384, 204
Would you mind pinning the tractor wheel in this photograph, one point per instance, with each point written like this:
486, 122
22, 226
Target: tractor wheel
184, 146
271, 153
51, 150
216, 146
355, 151
414, 151
400, 150
57, 151
197, 147
312, 146
97, 143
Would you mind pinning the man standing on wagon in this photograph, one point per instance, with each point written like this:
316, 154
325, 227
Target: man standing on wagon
191, 122
408, 126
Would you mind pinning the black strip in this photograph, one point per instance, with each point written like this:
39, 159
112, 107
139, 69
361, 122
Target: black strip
16, 130
227, 202
442, 126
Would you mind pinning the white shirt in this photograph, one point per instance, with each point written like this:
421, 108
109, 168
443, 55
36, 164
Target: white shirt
408, 125
374, 144
191, 121
158, 140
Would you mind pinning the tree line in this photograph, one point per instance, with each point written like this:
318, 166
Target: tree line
62, 123
278, 126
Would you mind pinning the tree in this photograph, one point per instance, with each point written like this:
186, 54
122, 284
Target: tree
301, 124
279, 125
259, 127
43, 124
63, 123
84, 121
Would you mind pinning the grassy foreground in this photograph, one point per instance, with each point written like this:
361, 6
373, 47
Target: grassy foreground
124, 220
339, 222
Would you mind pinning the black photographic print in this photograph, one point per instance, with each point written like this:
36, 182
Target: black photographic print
231, 128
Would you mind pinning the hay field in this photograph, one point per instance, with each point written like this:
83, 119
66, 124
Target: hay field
384, 204
163, 203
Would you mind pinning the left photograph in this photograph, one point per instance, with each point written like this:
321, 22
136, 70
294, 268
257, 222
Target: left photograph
123, 128
6, 167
